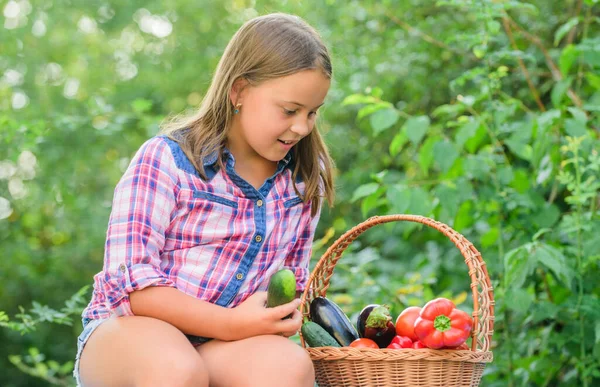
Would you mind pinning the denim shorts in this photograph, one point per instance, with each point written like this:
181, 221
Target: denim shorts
90, 325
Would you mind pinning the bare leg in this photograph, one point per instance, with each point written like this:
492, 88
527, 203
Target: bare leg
140, 351
260, 361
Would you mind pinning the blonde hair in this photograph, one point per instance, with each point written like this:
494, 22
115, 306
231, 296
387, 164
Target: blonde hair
264, 48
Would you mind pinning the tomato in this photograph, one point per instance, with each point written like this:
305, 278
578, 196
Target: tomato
363, 343
402, 341
405, 323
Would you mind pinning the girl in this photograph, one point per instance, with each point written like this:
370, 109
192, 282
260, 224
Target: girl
206, 212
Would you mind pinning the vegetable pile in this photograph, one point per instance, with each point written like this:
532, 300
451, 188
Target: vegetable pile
437, 325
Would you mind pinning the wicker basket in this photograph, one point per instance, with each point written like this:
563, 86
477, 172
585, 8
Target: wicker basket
346, 366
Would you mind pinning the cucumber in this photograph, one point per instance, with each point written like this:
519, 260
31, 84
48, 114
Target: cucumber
329, 316
316, 336
282, 288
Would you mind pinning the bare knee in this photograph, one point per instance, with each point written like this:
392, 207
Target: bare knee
177, 371
292, 362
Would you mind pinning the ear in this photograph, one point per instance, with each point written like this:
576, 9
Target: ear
237, 91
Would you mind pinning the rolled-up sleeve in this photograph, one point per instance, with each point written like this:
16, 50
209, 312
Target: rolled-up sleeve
143, 206
299, 258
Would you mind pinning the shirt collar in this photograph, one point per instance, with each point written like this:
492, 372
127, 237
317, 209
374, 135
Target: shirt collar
211, 159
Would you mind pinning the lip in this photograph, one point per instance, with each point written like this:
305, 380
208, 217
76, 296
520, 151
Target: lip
287, 146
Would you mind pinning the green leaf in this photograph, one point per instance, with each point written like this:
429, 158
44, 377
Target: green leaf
593, 80
567, 57
575, 128
518, 264
547, 216
364, 190
370, 109
490, 237
524, 151
399, 198
473, 144
464, 217
520, 181
564, 29
477, 167
520, 300
399, 140
559, 90
356, 99
553, 259
383, 119
466, 132
592, 57
420, 202
449, 198
578, 114
445, 154
543, 310
449, 110
370, 202
416, 127
426, 154
505, 174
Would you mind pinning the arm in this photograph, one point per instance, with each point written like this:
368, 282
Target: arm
201, 318
143, 205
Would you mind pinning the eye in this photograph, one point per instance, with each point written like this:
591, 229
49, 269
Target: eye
312, 114
289, 112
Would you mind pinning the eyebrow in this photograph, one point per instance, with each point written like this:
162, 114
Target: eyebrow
301, 105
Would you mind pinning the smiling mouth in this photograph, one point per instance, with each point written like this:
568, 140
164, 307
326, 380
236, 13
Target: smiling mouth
286, 142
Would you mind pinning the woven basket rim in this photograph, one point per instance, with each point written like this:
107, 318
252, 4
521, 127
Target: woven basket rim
387, 354
482, 290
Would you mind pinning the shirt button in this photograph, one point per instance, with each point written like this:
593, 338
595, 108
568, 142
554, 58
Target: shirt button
239, 276
259, 203
122, 268
258, 238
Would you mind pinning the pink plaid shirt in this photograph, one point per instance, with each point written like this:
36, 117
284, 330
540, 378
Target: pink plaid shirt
218, 240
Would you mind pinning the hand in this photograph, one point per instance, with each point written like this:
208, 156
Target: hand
253, 318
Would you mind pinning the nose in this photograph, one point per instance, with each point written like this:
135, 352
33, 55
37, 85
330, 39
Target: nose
302, 126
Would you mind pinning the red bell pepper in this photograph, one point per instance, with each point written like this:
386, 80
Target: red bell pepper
441, 325
399, 342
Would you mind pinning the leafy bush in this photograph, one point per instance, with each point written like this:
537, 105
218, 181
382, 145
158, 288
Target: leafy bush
480, 114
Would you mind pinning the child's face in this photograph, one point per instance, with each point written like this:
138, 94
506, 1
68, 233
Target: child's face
276, 114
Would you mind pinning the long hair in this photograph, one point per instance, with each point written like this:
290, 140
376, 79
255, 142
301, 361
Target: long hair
264, 48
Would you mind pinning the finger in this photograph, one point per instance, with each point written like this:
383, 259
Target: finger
295, 324
290, 326
284, 310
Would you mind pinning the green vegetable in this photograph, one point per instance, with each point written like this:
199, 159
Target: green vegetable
329, 316
316, 336
282, 288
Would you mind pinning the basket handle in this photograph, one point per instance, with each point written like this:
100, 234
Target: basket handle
483, 295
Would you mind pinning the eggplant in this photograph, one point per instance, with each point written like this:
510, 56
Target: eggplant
362, 319
329, 316
375, 323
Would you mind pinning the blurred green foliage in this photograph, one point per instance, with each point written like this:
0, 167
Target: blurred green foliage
480, 114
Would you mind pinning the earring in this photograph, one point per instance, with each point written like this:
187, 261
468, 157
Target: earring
237, 108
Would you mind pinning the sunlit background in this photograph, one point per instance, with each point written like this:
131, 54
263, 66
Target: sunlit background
430, 113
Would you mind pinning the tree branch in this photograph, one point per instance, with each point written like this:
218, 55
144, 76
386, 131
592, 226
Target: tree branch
573, 30
423, 35
534, 91
556, 74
